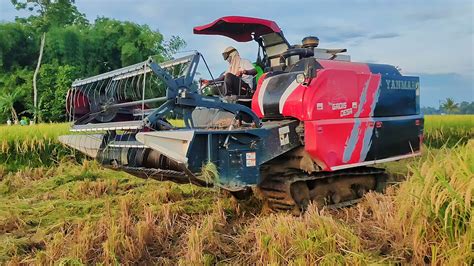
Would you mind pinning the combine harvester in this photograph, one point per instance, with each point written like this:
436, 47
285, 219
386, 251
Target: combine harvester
310, 131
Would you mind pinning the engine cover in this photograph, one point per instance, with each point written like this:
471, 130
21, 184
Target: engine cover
354, 113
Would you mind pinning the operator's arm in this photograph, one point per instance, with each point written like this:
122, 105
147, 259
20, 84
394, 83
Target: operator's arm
207, 81
251, 72
248, 68
221, 78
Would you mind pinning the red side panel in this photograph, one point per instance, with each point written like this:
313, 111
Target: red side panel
257, 97
338, 108
329, 141
293, 105
334, 94
338, 123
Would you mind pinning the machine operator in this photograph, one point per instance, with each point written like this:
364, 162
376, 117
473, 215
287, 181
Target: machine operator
238, 79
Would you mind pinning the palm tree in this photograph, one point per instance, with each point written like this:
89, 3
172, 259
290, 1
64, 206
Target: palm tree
7, 102
449, 105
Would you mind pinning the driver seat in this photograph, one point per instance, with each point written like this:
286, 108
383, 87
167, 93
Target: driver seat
247, 93
245, 96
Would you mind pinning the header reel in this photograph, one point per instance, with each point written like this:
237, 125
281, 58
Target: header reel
147, 92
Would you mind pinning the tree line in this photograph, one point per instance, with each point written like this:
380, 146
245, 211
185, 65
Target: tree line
449, 106
73, 47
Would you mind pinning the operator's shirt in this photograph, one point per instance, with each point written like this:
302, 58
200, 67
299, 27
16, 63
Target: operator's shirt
245, 65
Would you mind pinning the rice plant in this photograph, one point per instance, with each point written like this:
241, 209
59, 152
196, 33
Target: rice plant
34, 146
436, 205
448, 130
59, 211
429, 218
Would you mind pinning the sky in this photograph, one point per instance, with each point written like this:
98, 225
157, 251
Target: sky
430, 39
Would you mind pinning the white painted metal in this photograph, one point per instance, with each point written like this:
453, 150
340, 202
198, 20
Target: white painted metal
390, 159
128, 125
87, 144
173, 144
287, 94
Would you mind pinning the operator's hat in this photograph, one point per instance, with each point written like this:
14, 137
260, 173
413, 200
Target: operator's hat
227, 52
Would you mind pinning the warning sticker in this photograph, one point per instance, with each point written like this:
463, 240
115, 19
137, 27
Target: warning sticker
338, 106
346, 112
250, 155
319, 106
251, 163
284, 135
250, 159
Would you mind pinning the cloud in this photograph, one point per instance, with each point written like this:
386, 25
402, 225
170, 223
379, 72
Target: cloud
387, 35
440, 13
335, 33
402, 33
430, 14
435, 88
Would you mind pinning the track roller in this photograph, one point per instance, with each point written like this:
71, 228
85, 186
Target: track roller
294, 191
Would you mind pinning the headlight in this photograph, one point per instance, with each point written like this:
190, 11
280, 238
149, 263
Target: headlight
300, 78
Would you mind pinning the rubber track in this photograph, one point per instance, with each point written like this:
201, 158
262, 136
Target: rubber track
277, 193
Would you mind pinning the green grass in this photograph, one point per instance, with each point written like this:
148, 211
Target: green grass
75, 212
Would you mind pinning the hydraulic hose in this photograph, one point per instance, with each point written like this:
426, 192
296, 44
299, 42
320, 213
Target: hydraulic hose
302, 52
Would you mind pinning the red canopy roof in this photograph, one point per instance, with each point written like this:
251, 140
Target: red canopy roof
238, 28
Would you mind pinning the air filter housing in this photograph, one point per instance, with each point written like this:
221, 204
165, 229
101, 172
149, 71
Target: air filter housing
310, 42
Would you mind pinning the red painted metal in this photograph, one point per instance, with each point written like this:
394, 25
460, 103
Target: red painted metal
77, 102
338, 101
254, 105
343, 65
238, 28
